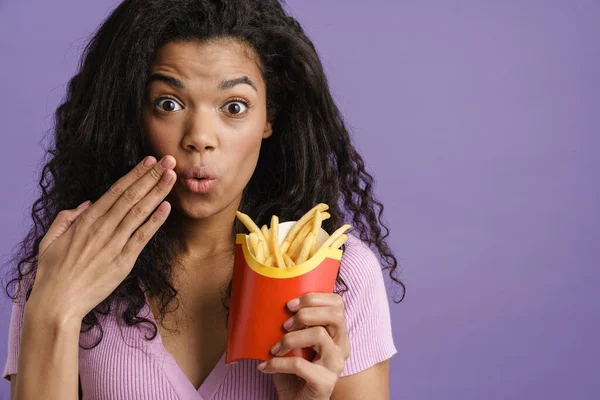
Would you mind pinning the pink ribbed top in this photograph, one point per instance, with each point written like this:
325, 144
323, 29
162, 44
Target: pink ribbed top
126, 366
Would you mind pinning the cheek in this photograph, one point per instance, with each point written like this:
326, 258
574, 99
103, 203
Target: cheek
159, 141
246, 147
243, 155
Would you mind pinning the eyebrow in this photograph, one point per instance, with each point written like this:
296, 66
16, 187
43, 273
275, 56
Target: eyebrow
224, 85
228, 84
169, 80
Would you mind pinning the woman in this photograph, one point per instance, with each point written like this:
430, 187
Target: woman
231, 91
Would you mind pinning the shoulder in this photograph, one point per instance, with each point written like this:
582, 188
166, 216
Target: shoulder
362, 285
360, 265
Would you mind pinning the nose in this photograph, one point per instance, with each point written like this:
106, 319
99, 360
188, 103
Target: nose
201, 132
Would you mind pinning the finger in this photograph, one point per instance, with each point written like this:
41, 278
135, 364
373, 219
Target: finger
153, 184
319, 377
140, 211
61, 223
108, 199
332, 318
65, 219
315, 337
140, 238
316, 299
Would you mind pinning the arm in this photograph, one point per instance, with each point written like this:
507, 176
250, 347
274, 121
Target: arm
13, 386
83, 257
366, 373
372, 383
48, 360
351, 335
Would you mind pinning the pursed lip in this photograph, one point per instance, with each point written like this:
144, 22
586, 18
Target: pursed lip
198, 173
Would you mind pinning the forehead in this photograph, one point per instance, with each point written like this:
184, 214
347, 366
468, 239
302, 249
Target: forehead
212, 60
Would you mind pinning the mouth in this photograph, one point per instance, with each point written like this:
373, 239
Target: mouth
198, 185
198, 173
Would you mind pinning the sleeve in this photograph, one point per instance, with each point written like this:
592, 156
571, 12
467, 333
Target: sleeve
366, 308
14, 330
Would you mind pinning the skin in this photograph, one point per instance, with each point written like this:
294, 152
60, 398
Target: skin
319, 323
201, 125
199, 129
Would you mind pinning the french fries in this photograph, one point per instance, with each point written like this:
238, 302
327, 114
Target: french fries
316, 227
265, 231
275, 242
300, 243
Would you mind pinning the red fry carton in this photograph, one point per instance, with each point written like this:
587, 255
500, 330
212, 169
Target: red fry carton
259, 294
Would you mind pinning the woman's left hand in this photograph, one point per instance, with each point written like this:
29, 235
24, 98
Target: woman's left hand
319, 323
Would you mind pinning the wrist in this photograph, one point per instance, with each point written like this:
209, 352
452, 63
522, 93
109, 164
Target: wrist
50, 315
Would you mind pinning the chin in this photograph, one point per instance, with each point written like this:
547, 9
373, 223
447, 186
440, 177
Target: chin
193, 205
198, 208
196, 211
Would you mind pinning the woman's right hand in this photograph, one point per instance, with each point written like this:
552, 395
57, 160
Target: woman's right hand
87, 252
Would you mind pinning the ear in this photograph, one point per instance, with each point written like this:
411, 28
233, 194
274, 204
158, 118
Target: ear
268, 130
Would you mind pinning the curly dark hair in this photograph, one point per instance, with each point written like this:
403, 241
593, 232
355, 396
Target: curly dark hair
99, 136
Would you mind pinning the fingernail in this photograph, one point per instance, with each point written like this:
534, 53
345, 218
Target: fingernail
292, 304
275, 349
261, 366
288, 324
148, 161
83, 204
167, 176
166, 162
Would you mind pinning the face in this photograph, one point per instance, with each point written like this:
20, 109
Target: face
206, 106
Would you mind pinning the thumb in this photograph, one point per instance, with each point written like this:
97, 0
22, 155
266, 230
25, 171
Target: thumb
61, 223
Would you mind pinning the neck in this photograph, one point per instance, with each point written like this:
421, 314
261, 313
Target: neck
203, 240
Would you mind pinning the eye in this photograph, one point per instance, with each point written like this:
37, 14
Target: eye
168, 104
236, 107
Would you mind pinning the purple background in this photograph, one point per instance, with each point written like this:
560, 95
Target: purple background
480, 122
